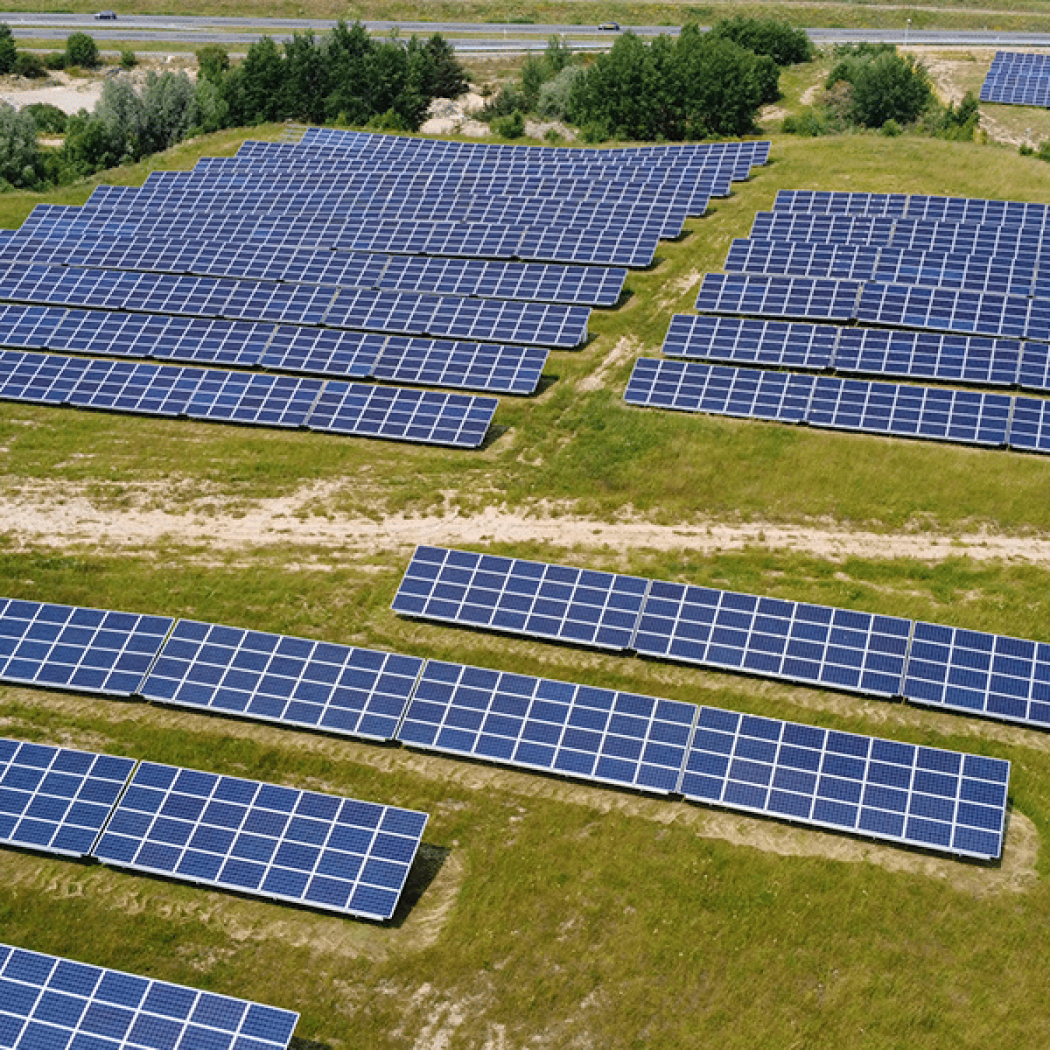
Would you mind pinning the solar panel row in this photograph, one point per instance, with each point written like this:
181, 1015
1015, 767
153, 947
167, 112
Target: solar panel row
974, 360
279, 348
968, 210
585, 286
335, 853
609, 246
1006, 274
876, 303
932, 413
257, 399
487, 320
821, 645
54, 1003
1018, 78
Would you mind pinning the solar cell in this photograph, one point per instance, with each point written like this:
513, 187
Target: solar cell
751, 341
337, 854
1030, 425
50, 1002
837, 648
920, 796
71, 647
293, 681
933, 413
536, 723
56, 799
580, 606
688, 386
979, 673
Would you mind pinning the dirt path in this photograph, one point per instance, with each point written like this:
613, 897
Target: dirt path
36, 518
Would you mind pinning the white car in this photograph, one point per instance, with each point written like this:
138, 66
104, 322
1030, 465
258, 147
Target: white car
106, 16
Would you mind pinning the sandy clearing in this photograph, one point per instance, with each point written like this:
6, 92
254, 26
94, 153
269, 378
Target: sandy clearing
36, 517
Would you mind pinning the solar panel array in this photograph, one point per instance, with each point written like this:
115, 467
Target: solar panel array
55, 1003
842, 649
1018, 78
333, 853
251, 399
354, 856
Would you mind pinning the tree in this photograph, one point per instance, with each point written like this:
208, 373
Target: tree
21, 159
446, 78
213, 61
262, 75
723, 91
81, 50
168, 110
888, 87
766, 36
306, 81
123, 116
8, 52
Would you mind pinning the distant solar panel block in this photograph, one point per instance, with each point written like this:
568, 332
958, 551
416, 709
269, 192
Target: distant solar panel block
400, 414
839, 201
979, 673
56, 799
944, 309
579, 606
71, 647
928, 355
467, 366
689, 386
856, 262
276, 678
323, 851
771, 637
1030, 425
814, 298
558, 727
747, 341
919, 796
54, 1003
833, 228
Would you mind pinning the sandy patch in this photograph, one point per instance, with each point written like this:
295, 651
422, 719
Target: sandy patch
69, 94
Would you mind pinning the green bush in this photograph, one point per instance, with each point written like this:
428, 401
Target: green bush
21, 159
54, 60
891, 128
783, 43
511, 127
555, 94
48, 119
128, 59
29, 66
82, 51
213, 61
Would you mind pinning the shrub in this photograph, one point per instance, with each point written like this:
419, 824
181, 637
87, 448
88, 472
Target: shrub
891, 128
212, 63
128, 60
512, 127
21, 159
765, 36
29, 66
81, 50
889, 87
49, 119
555, 94
55, 60
8, 51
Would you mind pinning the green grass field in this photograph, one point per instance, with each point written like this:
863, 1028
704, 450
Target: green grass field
546, 914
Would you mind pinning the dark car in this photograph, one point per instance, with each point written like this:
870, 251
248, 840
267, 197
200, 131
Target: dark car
106, 16
613, 26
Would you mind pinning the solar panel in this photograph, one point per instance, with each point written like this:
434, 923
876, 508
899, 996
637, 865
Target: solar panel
818, 644
689, 386
71, 647
325, 351
294, 681
257, 400
928, 355
403, 415
327, 852
536, 723
56, 799
1033, 370
751, 341
933, 413
944, 309
1030, 425
778, 296
468, 366
54, 1003
580, 606
979, 673
919, 796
